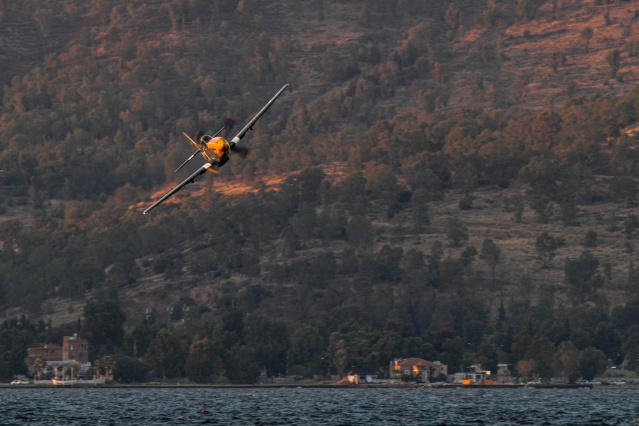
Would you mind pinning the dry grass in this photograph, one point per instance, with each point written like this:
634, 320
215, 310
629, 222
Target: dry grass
525, 49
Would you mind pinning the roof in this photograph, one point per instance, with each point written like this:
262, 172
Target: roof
47, 346
411, 362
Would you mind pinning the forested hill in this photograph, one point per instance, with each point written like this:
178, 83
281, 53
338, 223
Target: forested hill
445, 179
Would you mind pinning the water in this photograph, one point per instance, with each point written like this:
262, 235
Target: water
313, 406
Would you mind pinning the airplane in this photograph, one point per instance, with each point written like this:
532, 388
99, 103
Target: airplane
215, 149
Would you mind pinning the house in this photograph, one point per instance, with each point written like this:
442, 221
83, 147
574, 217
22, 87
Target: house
472, 375
47, 352
352, 378
73, 349
503, 373
417, 369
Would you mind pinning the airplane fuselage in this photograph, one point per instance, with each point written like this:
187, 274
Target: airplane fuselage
219, 147
215, 148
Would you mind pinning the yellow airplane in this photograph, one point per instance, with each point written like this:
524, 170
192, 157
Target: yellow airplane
216, 150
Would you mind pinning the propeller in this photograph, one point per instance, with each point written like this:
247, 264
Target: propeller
198, 135
188, 159
228, 125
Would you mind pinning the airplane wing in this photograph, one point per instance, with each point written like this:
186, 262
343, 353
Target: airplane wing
186, 181
250, 124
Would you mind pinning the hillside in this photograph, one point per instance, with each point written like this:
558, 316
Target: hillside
402, 185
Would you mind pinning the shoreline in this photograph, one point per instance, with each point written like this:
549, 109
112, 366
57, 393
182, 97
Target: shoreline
308, 386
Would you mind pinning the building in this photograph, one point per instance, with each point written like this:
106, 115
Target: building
503, 373
48, 352
472, 375
417, 369
75, 349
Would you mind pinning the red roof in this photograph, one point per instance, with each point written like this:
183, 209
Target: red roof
411, 362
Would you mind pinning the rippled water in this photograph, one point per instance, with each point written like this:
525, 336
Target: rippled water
313, 406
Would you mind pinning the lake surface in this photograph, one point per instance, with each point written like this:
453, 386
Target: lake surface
313, 406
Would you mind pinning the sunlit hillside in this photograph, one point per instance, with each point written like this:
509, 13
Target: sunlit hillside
442, 172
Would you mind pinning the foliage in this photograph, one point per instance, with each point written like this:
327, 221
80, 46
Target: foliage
167, 355
592, 362
202, 364
103, 327
547, 246
129, 370
303, 278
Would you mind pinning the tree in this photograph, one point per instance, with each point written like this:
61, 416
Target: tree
167, 355
592, 363
202, 363
338, 352
521, 84
307, 350
609, 340
270, 340
631, 351
360, 234
630, 225
129, 369
527, 9
243, 365
546, 247
419, 207
541, 351
581, 274
591, 238
490, 252
304, 222
587, 34
517, 202
103, 327
39, 365
452, 16
557, 58
566, 361
488, 355
466, 176
105, 364
13, 351
614, 61
456, 231
388, 262
623, 189
434, 263
140, 338
44, 18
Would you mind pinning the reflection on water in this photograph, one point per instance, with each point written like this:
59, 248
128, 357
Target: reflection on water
304, 406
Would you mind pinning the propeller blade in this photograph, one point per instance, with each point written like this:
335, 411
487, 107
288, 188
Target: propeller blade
242, 151
187, 160
218, 132
198, 135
